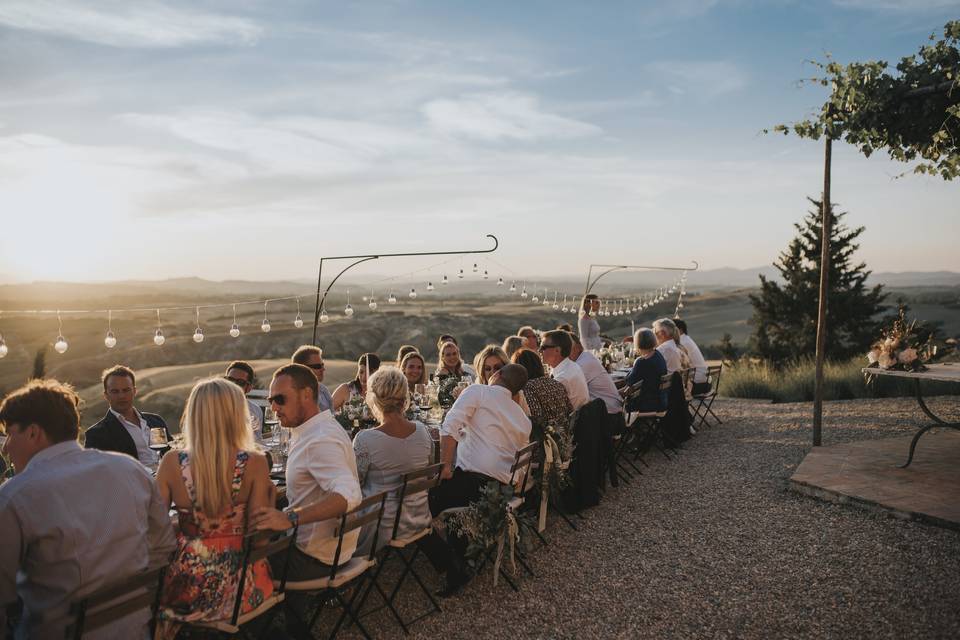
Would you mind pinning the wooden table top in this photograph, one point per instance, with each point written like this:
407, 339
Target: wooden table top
944, 372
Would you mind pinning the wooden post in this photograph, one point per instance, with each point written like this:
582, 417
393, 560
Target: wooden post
826, 220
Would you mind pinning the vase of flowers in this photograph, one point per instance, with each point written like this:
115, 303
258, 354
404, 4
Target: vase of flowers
903, 346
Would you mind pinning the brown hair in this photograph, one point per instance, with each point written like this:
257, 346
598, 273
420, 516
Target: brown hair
243, 366
118, 370
404, 350
562, 339
49, 404
414, 355
530, 360
301, 375
303, 353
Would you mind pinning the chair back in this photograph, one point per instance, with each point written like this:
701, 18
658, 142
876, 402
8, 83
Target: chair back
115, 601
369, 510
633, 392
412, 483
253, 551
520, 470
713, 377
666, 381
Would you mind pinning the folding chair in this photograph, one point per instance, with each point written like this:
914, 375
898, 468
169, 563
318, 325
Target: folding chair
353, 570
651, 424
704, 401
115, 601
412, 483
253, 553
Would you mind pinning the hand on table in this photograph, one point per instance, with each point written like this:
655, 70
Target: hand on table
269, 519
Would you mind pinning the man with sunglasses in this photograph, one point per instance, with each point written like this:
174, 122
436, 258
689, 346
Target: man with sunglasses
555, 351
312, 357
241, 374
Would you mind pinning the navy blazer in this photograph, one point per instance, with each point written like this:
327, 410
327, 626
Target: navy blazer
110, 435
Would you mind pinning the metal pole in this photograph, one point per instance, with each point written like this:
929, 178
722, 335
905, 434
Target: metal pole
621, 267
826, 220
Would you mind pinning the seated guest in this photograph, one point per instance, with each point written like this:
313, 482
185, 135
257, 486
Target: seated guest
530, 338
587, 324
546, 397
649, 367
668, 343
490, 359
404, 350
555, 351
71, 520
213, 483
124, 429
312, 357
511, 345
414, 368
395, 447
321, 478
445, 338
356, 388
450, 363
599, 383
241, 374
697, 361
482, 432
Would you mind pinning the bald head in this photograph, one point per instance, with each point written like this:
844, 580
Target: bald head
511, 376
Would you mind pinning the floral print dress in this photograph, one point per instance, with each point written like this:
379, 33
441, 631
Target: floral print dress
201, 583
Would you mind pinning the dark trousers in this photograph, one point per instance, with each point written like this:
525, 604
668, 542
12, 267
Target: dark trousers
459, 491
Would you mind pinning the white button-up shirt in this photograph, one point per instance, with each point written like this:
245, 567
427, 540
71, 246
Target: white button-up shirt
141, 438
321, 462
696, 358
571, 376
671, 353
489, 428
256, 420
599, 383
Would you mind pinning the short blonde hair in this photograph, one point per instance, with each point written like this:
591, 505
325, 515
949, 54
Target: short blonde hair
511, 345
216, 422
387, 392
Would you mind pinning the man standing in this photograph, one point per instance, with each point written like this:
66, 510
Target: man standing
124, 429
697, 361
241, 374
322, 479
61, 540
555, 351
312, 357
482, 432
599, 383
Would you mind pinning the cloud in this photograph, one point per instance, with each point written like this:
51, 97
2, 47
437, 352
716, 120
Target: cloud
502, 116
706, 78
127, 24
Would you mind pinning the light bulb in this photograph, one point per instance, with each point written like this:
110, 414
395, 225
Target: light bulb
392, 299
110, 341
265, 326
364, 298
158, 338
485, 274
234, 330
323, 316
680, 306
546, 302
430, 286
573, 310
60, 345
348, 311
445, 280
413, 293
298, 322
499, 282
556, 306
373, 304
460, 275
513, 287
198, 335
474, 267
3, 348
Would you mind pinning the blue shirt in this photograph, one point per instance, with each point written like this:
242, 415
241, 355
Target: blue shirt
649, 370
324, 398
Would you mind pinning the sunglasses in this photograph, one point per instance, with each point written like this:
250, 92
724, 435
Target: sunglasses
278, 399
544, 347
317, 367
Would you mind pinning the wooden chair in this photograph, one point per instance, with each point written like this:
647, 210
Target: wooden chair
115, 601
353, 571
700, 406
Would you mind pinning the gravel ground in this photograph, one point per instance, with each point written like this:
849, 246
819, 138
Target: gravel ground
714, 545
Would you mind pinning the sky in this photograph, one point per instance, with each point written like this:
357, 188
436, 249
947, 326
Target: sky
245, 139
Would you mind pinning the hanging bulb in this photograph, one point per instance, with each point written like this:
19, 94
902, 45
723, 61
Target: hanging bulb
679, 305
198, 335
474, 267
373, 304
564, 307
110, 341
298, 322
460, 275
348, 310
430, 286
535, 299
555, 305
265, 326
323, 315
60, 345
413, 293
485, 274
445, 280
234, 330
513, 286
3, 348
523, 294
158, 338
392, 299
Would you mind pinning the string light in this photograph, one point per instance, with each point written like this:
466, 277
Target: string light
198, 333
265, 325
3, 347
460, 275
555, 305
513, 286
430, 286
158, 338
499, 282
523, 293
474, 267
235, 328
373, 304
392, 299
110, 340
298, 321
486, 276
348, 310
445, 280
413, 293
564, 307
60, 346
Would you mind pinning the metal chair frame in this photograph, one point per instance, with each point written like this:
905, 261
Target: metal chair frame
115, 601
703, 409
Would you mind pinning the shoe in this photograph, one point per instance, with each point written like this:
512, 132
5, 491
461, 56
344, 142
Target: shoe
456, 581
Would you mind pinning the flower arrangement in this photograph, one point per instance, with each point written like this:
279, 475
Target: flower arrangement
902, 346
354, 414
487, 522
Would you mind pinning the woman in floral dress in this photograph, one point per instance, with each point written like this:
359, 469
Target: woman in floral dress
214, 483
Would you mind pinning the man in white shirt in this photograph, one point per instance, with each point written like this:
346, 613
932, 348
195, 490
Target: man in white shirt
666, 332
555, 350
697, 361
321, 477
241, 374
482, 432
599, 383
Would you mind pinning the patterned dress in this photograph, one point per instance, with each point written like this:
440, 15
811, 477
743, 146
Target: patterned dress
201, 583
548, 402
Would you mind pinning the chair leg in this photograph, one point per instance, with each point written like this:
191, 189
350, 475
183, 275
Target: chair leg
419, 580
348, 612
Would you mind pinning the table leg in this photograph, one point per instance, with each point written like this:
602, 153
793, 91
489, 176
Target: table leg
938, 422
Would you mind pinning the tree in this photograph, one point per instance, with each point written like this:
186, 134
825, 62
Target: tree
785, 316
728, 350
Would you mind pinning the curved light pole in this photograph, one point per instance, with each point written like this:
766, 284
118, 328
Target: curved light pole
610, 268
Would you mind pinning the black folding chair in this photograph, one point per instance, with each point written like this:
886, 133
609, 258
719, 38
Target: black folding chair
647, 426
115, 601
412, 484
353, 571
702, 403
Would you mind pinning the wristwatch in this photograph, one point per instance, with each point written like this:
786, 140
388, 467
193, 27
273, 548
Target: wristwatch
293, 517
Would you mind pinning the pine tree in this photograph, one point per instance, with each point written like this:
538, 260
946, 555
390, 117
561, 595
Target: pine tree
785, 316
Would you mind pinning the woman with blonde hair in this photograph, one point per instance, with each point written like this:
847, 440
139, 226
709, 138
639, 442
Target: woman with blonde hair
450, 363
214, 483
511, 345
414, 368
492, 358
385, 453
587, 323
